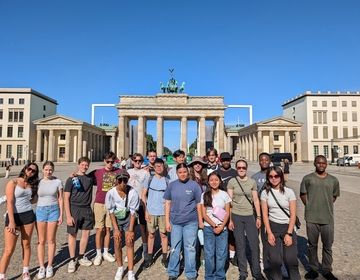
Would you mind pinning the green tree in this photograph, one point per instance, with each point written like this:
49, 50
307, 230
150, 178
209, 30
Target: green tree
193, 147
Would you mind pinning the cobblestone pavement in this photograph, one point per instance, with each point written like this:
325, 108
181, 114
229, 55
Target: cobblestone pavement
346, 249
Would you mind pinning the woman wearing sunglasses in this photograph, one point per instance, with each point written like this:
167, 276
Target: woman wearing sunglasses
21, 192
243, 192
281, 237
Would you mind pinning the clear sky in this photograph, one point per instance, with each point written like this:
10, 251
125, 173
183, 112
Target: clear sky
251, 52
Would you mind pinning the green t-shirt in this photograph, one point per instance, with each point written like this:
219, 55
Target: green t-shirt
240, 205
319, 208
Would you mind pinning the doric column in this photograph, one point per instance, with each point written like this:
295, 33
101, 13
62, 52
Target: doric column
271, 141
202, 137
46, 146
51, 145
101, 146
80, 143
251, 148
255, 147
160, 136
112, 142
75, 148
260, 147
298, 146
140, 136
121, 151
221, 134
247, 153
127, 137
38, 145
183, 134
144, 137
287, 142
67, 145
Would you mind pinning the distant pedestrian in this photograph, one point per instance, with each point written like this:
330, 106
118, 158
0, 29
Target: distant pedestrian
286, 169
7, 171
318, 192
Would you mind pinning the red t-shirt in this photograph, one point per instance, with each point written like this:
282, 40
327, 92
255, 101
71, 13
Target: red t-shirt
104, 180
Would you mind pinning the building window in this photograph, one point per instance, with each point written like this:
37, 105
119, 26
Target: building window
343, 103
276, 150
0, 132
293, 110
324, 103
355, 131
315, 132
325, 132
21, 116
11, 100
21, 101
61, 152
344, 116
336, 151
334, 116
315, 117
16, 116
316, 150
326, 151
346, 149
11, 116
44, 108
20, 132
62, 137
335, 132
276, 137
345, 132
44, 116
314, 103
355, 149
1, 114
8, 151
353, 103
324, 117
19, 151
354, 116
1, 100
333, 103
10, 131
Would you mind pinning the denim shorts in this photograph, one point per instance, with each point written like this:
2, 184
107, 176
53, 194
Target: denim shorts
49, 213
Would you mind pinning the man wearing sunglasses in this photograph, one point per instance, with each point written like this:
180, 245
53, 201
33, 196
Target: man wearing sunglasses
105, 180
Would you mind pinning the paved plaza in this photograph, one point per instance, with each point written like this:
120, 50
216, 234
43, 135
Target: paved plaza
346, 249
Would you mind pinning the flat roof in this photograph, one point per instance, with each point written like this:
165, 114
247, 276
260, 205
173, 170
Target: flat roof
29, 91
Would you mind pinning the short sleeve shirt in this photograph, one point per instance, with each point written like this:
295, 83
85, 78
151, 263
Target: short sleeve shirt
319, 208
114, 202
240, 205
260, 179
155, 201
226, 175
82, 196
105, 180
139, 178
220, 199
48, 192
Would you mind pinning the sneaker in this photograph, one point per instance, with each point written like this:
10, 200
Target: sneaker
242, 277
233, 261
131, 276
329, 276
108, 257
126, 259
164, 263
84, 261
49, 272
119, 274
41, 273
72, 266
98, 260
26, 276
312, 274
148, 263
3, 199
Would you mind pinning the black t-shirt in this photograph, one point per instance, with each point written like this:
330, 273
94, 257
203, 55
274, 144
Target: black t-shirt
226, 175
83, 195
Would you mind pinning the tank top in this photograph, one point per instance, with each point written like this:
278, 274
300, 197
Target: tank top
22, 199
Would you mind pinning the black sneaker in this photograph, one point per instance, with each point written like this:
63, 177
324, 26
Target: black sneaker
164, 263
329, 276
312, 274
148, 263
242, 277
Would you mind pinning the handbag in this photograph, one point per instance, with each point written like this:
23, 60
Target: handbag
219, 213
123, 214
297, 220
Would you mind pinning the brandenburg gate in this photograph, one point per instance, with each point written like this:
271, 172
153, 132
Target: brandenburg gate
170, 106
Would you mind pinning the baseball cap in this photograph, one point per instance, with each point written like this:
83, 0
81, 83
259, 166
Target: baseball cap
123, 174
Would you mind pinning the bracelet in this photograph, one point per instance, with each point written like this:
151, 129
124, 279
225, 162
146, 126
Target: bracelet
258, 217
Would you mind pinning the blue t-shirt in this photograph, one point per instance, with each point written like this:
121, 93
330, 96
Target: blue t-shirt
155, 201
184, 198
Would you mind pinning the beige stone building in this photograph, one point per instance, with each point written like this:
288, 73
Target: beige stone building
331, 122
276, 135
19, 107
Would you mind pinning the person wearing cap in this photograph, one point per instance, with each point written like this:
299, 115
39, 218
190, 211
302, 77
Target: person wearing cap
179, 157
198, 173
123, 203
211, 156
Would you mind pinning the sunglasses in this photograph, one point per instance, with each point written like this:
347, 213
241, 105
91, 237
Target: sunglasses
122, 180
274, 177
109, 161
31, 170
137, 160
241, 167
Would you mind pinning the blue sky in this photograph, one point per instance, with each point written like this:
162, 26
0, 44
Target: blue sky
251, 52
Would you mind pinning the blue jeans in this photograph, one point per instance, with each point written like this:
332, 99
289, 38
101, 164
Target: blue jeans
216, 252
180, 234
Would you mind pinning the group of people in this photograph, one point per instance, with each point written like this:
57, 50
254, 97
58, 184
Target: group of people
207, 211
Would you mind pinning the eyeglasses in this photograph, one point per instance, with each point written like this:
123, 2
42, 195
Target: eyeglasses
241, 167
31, 170
109, 161
122, 180
274, 177
137, 160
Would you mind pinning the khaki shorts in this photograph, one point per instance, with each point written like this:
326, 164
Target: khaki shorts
102, 217
156, 221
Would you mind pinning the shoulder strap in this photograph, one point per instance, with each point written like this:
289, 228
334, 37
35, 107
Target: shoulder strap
127, 196
277, 202
243, 190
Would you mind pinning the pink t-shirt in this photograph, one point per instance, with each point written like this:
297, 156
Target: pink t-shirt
105, 181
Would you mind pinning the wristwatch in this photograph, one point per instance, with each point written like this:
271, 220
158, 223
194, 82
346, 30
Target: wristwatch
289, 233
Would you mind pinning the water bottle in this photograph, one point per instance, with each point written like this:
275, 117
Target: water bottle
76, 183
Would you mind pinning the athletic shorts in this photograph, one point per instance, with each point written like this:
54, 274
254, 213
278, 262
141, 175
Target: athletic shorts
22, 219
49, 213
83, 217
156, 222
102, 217
141, 216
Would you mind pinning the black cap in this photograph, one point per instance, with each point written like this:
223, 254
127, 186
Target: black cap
225, 156
123, 174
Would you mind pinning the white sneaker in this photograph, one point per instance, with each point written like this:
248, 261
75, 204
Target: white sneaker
125, 259
84, 261
119, 273
41, 273
3, 199
71, 266
131, 276
98, 260
49, 272
108, 257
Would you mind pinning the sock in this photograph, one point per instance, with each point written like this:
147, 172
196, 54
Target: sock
2, 275
81, 256
149, 256
232, 254
73, 259
130, 272
98, 252
145, 248
164, 256
25, 269
106, 250
120, 268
